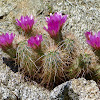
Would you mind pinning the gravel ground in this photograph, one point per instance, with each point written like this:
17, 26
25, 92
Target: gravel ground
83, 15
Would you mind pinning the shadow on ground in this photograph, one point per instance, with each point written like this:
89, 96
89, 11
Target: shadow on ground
11, 64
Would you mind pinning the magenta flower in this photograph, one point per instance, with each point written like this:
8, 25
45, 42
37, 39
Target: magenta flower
93, 40
55, 23
35, 42
26, 23
6, 40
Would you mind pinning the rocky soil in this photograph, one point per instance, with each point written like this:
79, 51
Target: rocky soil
83, 15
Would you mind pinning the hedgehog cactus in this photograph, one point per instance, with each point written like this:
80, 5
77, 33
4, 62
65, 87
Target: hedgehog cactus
6, 44
96, 72
80, 67
57, 61
26, 59
55, 23
94, 42
54, 59
26, 23
53, 66
35, 43
28, 52
96, 69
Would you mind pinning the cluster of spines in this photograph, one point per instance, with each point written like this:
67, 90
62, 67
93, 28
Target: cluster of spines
50, 63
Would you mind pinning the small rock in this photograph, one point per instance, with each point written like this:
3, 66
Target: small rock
6, 6
76, 89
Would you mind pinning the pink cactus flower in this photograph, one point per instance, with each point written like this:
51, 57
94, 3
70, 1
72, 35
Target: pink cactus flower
55, 23
93, 40
26, 23
6, 40
35, 42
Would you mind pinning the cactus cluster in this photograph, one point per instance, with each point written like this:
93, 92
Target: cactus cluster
50, 60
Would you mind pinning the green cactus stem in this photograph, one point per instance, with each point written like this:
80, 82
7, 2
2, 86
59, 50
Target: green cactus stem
26, 59
11, 52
